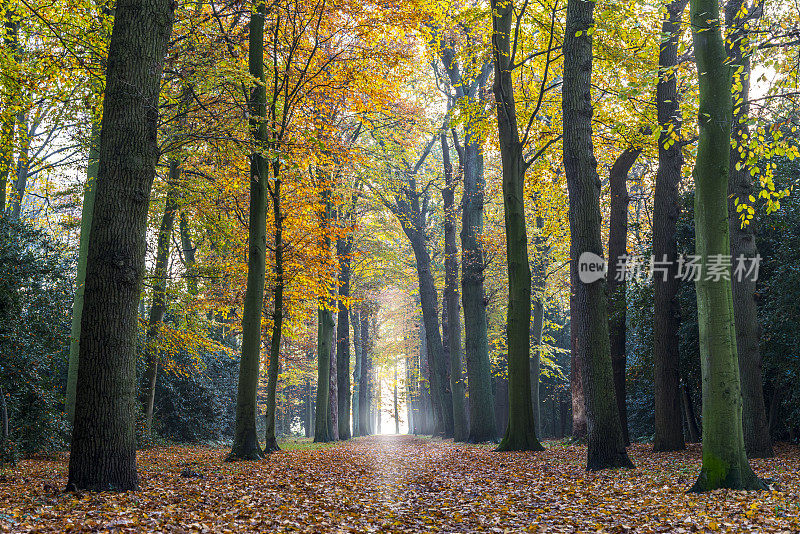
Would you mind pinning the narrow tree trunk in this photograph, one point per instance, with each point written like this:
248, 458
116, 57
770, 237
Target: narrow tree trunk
188, 255
333, 399
688, 416
270, 443
355, 319
80, 279
103, 451
743, 244
344, 249
617, 248
363, 382
577, 398
10, 86
450, 307
539, 284
396, 411
590, 320
159, 304
521, 431
666, 204
442, 403
725, 463
23, 164
245, 440
308, 417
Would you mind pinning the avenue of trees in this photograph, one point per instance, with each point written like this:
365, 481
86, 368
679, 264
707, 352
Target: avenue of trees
235, 221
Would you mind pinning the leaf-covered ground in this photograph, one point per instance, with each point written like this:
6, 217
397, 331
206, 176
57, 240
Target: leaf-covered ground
402, 484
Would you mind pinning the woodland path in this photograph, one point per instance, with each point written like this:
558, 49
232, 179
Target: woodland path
401, 484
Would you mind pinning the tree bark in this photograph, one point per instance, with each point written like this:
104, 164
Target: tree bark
333, 394
521, 431
326, 343
364, 381
725, 463
355, 320
103, 450
270, 442
451, 316
743, 244
666, 320
344, 249
617, 248
590, 320
245, 440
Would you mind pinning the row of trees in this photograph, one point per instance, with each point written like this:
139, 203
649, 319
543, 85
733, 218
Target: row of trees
298, 140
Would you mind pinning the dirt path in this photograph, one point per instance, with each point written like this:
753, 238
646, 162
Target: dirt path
401, 484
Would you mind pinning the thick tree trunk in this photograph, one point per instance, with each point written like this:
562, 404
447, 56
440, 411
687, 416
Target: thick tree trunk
451, 314
80, 279
245, 440
103, 451
344, 249
590, 320
521, 431
740, 186
158, 307
617, 248
666, 320
725, 463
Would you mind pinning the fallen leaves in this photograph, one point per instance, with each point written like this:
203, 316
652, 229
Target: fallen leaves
402, 484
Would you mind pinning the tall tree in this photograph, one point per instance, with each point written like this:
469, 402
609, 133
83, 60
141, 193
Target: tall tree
344, 252
468, 83
666, 209
617, 248
326, 345
589, 317
103, 450
740, 19
725, 463
451, 313
245, 440
355, 321
521, 429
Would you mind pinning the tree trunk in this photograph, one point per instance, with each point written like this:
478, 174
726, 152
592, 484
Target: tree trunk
521, 431
725, 464
590, 320
23, 163
270, 443
617, 248
442, 403
577, 398
188, 255
159, 304
11, 90
451, 314
364, 382
688, 416
355, 319
666, 320
740, 186
103, 450
344, 249
80, 279
245, 440
308, 417
396, 411
333, 400
537, 328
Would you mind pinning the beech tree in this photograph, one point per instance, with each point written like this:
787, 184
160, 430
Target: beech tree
589, 318
103, 450
725, 463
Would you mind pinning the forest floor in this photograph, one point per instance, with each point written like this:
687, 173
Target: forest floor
402, 484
